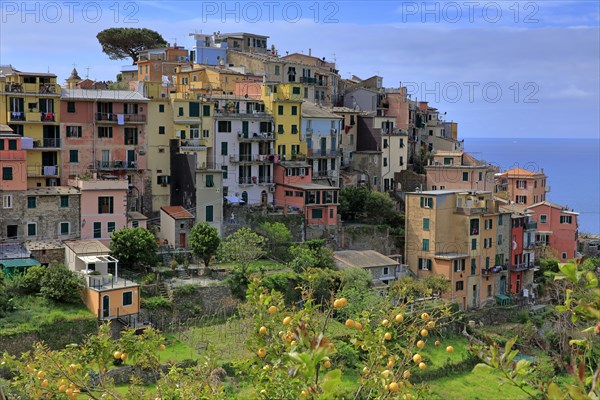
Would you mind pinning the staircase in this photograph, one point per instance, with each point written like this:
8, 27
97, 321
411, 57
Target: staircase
182, 273
164, 291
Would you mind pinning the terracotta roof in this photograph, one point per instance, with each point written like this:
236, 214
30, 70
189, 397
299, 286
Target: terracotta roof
553, 205
311, 110
520, 172
177, 212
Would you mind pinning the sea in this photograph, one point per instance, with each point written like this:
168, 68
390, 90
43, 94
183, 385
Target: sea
571, 165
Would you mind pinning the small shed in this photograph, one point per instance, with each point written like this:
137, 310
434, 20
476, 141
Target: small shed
175, 225
383, 269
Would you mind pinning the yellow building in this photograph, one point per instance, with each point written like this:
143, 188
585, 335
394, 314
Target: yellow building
284, 102
30, 105
454, 233
203, 79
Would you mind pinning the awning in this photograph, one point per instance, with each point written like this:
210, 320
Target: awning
234, 199
19, 262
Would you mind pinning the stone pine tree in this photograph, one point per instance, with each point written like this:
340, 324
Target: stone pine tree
121, 43
204, 241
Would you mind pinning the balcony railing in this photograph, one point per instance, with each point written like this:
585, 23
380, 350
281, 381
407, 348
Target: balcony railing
42, 88
244, 115
494, 270
16, 116
522, 266
42, 171
250, 158
265, 180
304, 79
47, 117
116, 164
530, 225
325, 174
104, 282
194, 143
46, 144
255, 136
322, 153
246, 180
114, 117
470, 210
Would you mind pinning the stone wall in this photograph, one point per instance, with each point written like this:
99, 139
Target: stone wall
367, 237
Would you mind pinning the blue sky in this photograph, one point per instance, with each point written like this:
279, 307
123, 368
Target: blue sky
499, 68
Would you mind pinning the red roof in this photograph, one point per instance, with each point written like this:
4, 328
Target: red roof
520, 172
177, 212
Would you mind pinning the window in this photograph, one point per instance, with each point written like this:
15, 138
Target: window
97, 230
127, 298
473, 244
489, 291
105, 132
474, 227
473, 266
289, 193
12, 144
194, 109
131, 136
386, 270
70, 106
306, 93
294, 128
566, 219
500, 220
425, 224
110, 227
295, 90
180, 112
465, 176
64, 228
385, 161
7, 173
161, 108
295, 109
135, 224
459, 285
277, 72
426, 202
521, 184
73, 131
224, 169
279, 110
521, 199
317, 213
210, 181
105, 205
161, 130
206, 111
31, 202
564, 256
209, 213
459, 265
73, 156
424, 264
425, 245
31, 229
543, 219
64, 201
330, 213
448, 160
223, 148
488, 224
224, 126
7, 201
1, 144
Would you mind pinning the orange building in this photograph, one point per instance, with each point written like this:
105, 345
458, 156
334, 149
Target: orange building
522, 186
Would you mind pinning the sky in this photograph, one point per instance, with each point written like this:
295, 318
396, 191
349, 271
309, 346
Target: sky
498, 68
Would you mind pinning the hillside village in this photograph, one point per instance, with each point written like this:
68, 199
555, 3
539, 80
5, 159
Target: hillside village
229, 128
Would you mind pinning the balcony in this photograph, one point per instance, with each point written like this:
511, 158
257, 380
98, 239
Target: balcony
256, 137
39, 171
522, 266
115, 165
47, 117
530, 226
114, 117
471, 210
46, 144
250, 158
107, 281
15, 116
325, 174
262, 116
265, 180
194, 144
304, 79
246, 180
42, 88
494, 270
322, 153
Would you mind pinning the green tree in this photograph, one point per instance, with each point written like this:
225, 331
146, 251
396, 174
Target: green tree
242, 247
134, 247
5, 304
204, 241
61, 285
352, 202
311, 254
120, 43
279, 237
379, 208
32, 279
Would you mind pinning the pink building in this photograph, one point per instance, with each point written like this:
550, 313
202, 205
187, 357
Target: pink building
557, 229
103, 207
395, 104
13, 161
455, 170
104, 131
522, 186
294, 190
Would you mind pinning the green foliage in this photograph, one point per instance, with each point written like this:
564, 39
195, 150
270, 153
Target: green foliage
279, 238
32, 279
408, 288
242, 247
204, 241
156, 303
120, 43
352, 202
379, 208
134, 247
311, 254
61, 285
5, 301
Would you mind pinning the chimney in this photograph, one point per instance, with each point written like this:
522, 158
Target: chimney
309, 52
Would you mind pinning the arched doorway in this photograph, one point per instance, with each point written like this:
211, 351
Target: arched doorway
105, 306
502, 284
245, 197
263, 198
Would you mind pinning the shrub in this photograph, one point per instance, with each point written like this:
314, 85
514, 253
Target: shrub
156, 303
31, 282
61, 285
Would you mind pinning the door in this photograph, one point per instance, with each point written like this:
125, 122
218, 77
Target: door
263, 198
182, 243
105, 157
131, 158
502, 284
475, 295
105, 306
323, 146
